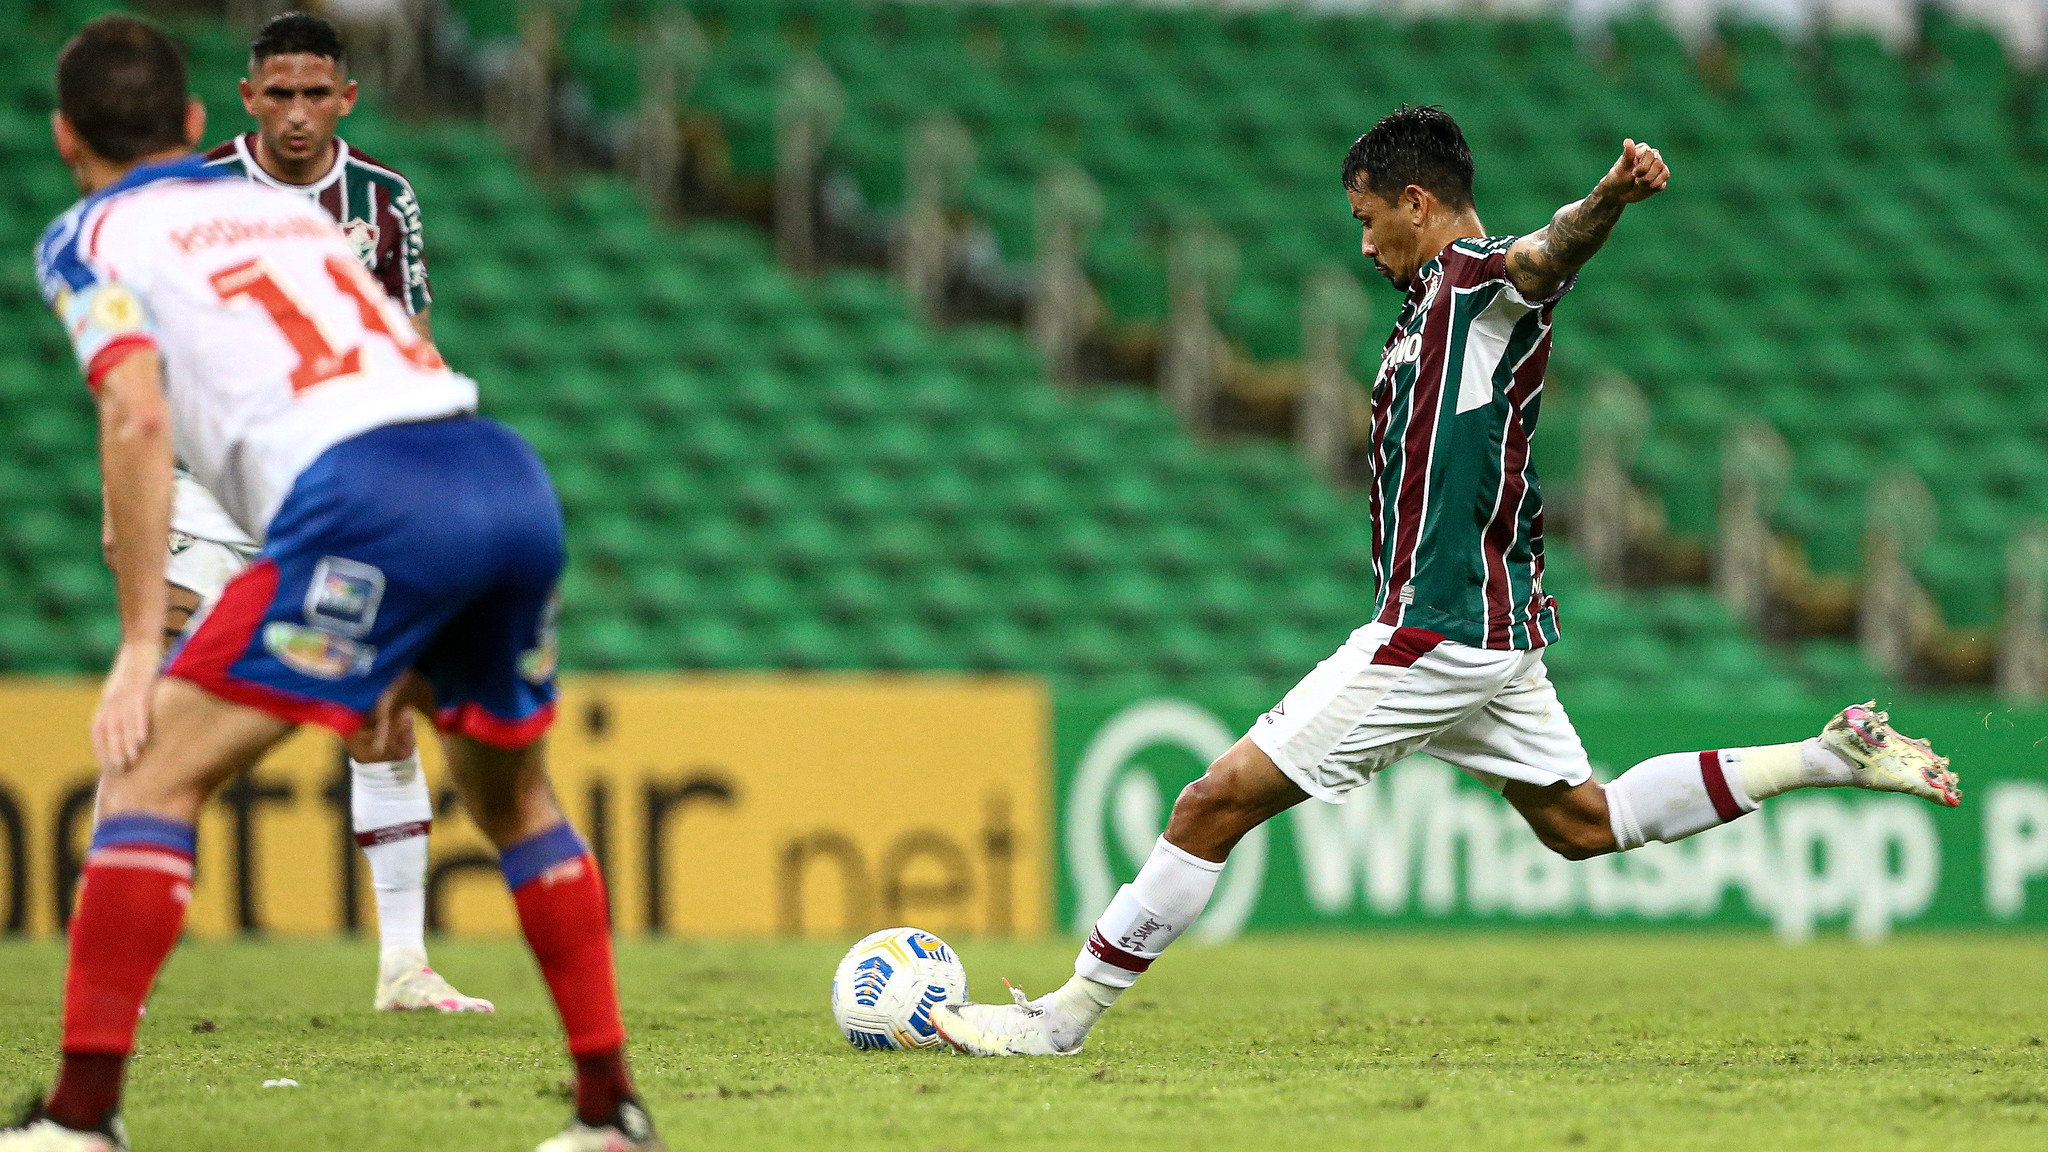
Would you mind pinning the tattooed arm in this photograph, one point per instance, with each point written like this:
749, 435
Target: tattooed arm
1541, 262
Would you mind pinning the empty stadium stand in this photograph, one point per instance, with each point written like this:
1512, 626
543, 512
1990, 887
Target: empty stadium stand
762, 471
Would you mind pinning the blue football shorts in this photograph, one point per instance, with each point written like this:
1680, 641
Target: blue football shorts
434, 547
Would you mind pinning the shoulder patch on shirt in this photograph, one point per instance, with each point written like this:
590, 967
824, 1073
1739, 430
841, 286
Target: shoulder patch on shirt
116, 310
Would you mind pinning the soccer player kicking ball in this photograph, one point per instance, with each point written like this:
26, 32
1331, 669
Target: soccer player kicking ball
298, 90
405, 541
1452, 662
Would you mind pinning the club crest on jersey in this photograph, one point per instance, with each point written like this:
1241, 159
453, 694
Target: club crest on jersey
1430, 288
312, 652
362, 236
343, 596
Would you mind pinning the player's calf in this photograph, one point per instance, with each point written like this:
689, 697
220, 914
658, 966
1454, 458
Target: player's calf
1570, 820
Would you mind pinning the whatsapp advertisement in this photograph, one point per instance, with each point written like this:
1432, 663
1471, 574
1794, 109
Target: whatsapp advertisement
1425, 845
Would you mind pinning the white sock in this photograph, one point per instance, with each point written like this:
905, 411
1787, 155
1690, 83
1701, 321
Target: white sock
1679, 794
1076, 1006
1761, 773
392, 812
1147, 914
1673, 796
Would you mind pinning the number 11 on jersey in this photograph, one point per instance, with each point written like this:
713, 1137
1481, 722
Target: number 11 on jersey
257, 280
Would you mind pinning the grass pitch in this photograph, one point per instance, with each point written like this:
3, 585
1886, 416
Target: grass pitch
1411, 1042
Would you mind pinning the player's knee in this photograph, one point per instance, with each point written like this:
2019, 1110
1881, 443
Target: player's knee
1221, 805
1201, 801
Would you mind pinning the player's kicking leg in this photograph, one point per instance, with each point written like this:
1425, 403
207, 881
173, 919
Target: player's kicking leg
563, 912
131, 906
1496, 716
393, 811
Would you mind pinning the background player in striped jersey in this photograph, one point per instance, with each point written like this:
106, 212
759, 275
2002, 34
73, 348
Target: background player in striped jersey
298, 90
1452, 662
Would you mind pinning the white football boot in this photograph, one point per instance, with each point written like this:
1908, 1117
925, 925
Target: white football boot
629, 1130
36, 1132
411, 986
1023, 1028
1887, 760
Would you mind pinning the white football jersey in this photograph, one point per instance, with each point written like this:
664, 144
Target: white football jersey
276, 344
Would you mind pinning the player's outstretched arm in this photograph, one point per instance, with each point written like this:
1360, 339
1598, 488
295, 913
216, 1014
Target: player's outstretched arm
1541, 262
136, 462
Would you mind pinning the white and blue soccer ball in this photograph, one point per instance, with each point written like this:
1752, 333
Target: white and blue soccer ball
887, 986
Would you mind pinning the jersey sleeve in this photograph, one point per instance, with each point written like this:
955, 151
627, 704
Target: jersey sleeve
1472, 263
404, 274
105, 318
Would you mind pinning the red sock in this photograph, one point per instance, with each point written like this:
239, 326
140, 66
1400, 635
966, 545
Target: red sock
601, 1083
130, 909
562, 910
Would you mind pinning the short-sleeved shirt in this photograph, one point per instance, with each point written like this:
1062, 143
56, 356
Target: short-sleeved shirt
1457, 513
276, 344
373, 204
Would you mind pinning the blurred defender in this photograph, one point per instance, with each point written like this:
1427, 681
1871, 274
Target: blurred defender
405, 540
298, 90
1452, 662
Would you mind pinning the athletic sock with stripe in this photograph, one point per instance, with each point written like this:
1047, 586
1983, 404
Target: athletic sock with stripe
562, 910
131, 906
1146, 915
393, 812
1680, 794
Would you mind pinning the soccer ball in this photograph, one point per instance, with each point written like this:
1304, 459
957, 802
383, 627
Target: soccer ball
886, 987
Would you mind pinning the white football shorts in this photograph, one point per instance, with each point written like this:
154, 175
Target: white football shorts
204, 566
207, 548
1389, 693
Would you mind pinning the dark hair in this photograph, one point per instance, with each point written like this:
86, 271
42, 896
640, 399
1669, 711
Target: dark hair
1412, 145
290, 33
121, 84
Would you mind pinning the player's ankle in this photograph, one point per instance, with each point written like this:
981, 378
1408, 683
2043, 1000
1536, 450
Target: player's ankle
602, 1084
1096, 993
88, 1090
1074, 1008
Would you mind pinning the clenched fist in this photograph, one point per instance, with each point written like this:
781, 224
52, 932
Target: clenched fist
1640, 174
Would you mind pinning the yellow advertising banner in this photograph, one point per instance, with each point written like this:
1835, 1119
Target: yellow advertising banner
728, 805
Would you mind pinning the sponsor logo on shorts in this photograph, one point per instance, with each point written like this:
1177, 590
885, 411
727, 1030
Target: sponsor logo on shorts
181, 541
312, 652
343, 596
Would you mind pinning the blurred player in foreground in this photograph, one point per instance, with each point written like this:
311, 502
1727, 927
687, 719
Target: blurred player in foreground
1452, 662
405, 539
298, 90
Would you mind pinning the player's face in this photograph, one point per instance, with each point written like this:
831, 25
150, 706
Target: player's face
297, 100
1392, 236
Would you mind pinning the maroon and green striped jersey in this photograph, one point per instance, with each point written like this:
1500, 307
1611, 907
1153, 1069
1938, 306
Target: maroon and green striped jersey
373, 204
1457, 515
